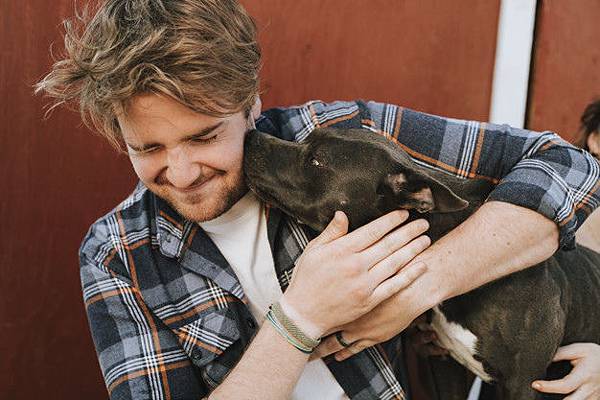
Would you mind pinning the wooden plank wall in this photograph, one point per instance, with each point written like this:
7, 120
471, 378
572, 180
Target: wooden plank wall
566, 69
57, 178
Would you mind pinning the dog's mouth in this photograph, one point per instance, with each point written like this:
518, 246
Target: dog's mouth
272, 200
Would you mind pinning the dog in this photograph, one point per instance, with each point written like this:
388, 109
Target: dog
507, 331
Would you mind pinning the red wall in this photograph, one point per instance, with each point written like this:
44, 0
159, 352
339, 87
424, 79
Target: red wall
566, 72
430, 55
57, 178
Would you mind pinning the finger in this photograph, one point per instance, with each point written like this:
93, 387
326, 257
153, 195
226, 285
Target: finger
353, 349
421, 319
401, 280
563, 386
579, 394
570, 352
328, 345
336, 228
372, 232
392, 264
394, 241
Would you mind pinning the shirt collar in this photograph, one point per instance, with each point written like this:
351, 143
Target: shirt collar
172, 229
185, 241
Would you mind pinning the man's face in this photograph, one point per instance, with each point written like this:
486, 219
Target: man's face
191, 160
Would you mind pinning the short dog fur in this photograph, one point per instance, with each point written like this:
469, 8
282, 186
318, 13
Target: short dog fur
513, 325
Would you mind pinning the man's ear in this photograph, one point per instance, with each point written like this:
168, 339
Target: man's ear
421, 192
256, 108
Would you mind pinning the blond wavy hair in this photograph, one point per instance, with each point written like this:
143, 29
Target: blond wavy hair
201, 53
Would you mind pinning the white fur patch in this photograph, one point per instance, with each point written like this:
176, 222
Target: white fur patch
460, 342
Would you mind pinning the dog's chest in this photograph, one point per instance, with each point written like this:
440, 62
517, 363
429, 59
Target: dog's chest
460, 342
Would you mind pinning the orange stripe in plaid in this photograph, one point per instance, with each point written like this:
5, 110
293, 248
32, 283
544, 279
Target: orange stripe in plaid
190, 238
379, 348
369, 122
425, 158
196, 310
586, 199
398, 123
338, 119
106, 295
313, 115
205, 346
171, 220
144, 308
109, 258
435, 162
137, 374
478, 146
567, 219
137, 244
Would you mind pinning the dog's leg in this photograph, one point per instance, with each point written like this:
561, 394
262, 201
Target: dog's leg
451, 380
519, 389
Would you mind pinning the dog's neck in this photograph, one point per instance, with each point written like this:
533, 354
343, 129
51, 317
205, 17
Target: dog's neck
475, 191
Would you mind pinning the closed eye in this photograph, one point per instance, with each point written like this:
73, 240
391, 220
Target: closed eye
144, 151
202, 139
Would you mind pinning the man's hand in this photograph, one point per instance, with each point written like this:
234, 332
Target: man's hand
583, 383
382, 323
340, 276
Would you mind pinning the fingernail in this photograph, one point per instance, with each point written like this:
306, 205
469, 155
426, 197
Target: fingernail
339, 358
536, 385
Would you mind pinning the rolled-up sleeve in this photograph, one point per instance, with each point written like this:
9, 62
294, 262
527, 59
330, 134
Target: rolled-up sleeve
539, 171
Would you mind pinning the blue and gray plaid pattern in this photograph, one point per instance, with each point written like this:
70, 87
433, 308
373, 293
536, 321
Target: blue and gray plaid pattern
167, 314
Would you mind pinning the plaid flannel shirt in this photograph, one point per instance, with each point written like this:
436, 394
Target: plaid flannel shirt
168, 316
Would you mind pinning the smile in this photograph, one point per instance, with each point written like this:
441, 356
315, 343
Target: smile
190, 194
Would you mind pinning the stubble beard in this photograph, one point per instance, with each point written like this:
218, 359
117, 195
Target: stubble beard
229, 191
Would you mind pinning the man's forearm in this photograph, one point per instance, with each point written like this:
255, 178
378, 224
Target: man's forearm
269, 369
499, 239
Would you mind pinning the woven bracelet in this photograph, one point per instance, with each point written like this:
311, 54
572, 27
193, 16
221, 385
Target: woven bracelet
292, 328
281, 330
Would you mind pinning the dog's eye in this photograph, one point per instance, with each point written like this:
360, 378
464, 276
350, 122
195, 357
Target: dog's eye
315, 162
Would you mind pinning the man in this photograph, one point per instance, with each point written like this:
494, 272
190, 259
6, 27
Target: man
589, 139
177, 279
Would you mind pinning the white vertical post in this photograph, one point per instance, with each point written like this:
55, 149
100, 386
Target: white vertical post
511, 76
513, 58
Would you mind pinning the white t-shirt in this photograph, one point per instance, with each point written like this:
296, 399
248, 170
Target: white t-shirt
241, 236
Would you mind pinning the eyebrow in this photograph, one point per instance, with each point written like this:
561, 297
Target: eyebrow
199, 134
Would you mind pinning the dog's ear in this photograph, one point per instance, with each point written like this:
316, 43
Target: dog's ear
419, 191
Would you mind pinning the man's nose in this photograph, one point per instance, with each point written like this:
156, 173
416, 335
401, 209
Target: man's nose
181, 171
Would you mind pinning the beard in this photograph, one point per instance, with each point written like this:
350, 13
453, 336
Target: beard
222, 192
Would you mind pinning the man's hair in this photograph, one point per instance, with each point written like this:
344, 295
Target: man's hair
590, 123
201, 53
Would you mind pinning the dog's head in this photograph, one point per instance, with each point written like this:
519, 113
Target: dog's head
356, 171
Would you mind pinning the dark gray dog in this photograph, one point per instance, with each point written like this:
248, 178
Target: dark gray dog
507, 331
